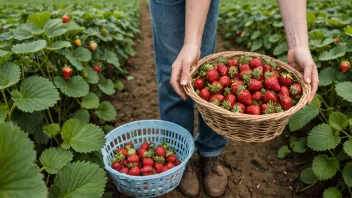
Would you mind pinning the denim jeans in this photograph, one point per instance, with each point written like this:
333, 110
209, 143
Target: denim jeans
168, 21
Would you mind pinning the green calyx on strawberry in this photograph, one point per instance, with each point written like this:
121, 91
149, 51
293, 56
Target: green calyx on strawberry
159, 159
257, 74
227, 91
272, 64
66, 72
239, 108
226, 105
131, 151
233, 71
119, 157
345, 65
218, 97
206, 67
295, 89
245, 59
216, 87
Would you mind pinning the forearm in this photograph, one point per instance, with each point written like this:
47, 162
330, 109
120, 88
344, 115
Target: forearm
293, 14
196, 16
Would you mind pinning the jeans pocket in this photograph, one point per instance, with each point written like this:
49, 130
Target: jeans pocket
168, 2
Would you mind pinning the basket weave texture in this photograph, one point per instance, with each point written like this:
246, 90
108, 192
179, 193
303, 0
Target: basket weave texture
245, 127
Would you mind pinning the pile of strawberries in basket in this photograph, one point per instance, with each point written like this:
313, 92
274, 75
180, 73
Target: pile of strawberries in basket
147, 160
247, 85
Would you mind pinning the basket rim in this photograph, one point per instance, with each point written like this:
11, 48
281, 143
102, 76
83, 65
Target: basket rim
306, 89
149, 177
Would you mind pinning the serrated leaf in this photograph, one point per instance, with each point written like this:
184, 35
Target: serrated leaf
28, 122
302, 117
4, 56
347, 174
81, 137
94, 157
348, 31
322, 138
333, 53
300, 146
112, 58
53, 159
90, 101
332, 192
307, 176
107, 86
76, 63
26, 31
344, 90
3, 113
39, 136
310, 17
36, 94
19, 176
255, 34
316, 101
327, 76
93, 77
266, 41
83, 54
40, 19
9, 75
283, 152
347, 146
106, 111
325, 167
321, 43
75, 86
317, 35
338, 121
6, 36
58, 45
280, 49
54, 31
257, 44
31, 47
82, 115
79, 180
274, 38
52, 130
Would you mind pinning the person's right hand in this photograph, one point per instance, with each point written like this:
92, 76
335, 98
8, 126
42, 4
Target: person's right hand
189, 55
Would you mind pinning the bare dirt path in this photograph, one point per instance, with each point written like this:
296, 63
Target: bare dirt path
253, 168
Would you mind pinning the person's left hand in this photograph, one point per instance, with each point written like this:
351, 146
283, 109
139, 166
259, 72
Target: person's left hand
301, 59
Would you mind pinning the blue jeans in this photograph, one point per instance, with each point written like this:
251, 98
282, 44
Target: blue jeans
168, 20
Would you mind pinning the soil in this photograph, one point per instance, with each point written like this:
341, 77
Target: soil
253, 168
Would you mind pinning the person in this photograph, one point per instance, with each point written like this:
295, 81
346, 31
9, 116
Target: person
185, 31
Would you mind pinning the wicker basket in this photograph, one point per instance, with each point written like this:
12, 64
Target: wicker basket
245, 127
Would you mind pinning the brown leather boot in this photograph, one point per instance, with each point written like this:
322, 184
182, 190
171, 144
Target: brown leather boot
189, 185
215, 180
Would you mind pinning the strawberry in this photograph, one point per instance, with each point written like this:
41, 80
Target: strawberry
93, 45
257, 96
256, 62
285, 79
96, 68
286, 103
269, 96
232, 62
345, 65
244, 96
284, 91
141, 152
225, 81
231, 99
133, 159
124, 170
239, 108
129, 61
78, 42
216, 87
198, 83
233, 71
131, 151
216, 97
116, 166
164, 169
170, 165
104, 31
124, 162
337, 41
123, 151
171, 158
263, 108
134, 171
222, 69
267, 68
147, 170
268, 108
147, 161
66, 72
245, 73
279, 69
295, 89
258, 73
254, 85
129, 144
65, 18
212, 75
177, 162
253, 109
244, 67
276, 74
205, 94
145, 146
271, 82
235, 86
158, 167
160, 151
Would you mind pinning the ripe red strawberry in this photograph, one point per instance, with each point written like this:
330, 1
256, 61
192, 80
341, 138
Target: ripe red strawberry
93, 45
231, 99
222, 69
279, 69
171, 158
124, 162
116, 166
78, 42
263, 108
256, 62
244, 67
134, 171
158, 167
65, 19
170, 165
124, 170
345, 65
269, 96
276, 74
205, 94
271, 82
217, 97
284, 91
233, 71
239, 108
123, 151
147, 170
133, 159
96, 68
257, 96
212, 75
177, 162
232, 62
286, 103
267, 68
147, 161
160, 151
199, 83
129, 144
285, 79
235, 86
245, 73
216, 87
254, 85
244, 96
295, 89
253, 109
164, 169
141, 153
66, 72
225, 81
145, 146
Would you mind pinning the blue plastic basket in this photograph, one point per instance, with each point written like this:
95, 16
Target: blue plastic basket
155, 131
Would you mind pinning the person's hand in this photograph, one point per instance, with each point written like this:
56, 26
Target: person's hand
181, 68
301, 59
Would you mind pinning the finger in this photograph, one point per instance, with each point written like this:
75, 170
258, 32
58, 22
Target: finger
314, 84
186, 65
308, 72
175, 79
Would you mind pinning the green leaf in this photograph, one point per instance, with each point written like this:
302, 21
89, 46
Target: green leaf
274, 38
302, 117
348, 31
52, 130
257, 44
333, 53
106, 111
119, 85
19, 175
107, 86
81, 137
94, 157
4, 56
327, 76
310, 17
36, 94
53, 159
332, 192
347, 174
90, 101
93, 77
28, 122
344, 90
283, 152
322, 138
280, 49
9, 75
26, 31
56, 30
338, 121
79, 180
83, 54
316, 102
347, 146
300, 146
31, 47
321, 43
39, 136
266, 41
6, 36
3, 112
337, 23
317, 35
76, 63
325, 167
40, 19
75, 86
255, 34
59, 45
112, 58
307, 176
350, 124
82, 115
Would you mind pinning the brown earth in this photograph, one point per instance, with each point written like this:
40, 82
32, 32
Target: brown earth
253, 168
